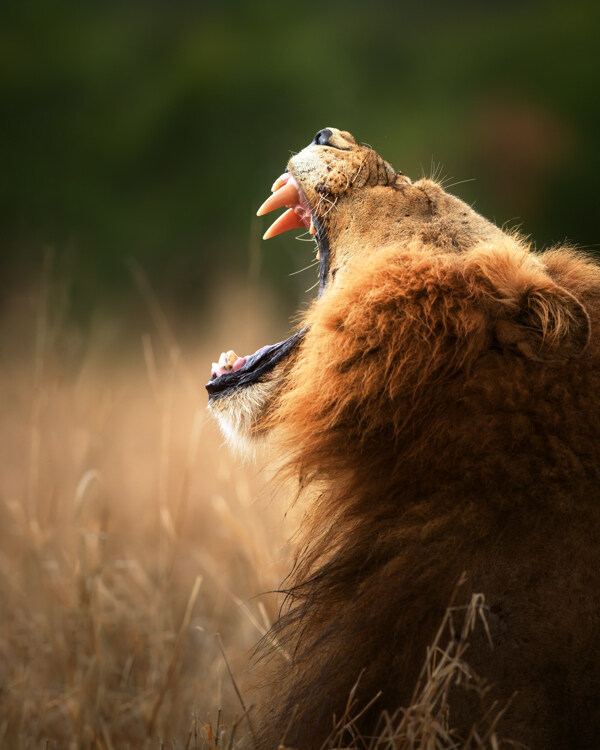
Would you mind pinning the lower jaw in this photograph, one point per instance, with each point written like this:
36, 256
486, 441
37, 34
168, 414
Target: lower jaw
256, 366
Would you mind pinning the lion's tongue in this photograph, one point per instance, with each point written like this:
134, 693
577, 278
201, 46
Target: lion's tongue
286, 193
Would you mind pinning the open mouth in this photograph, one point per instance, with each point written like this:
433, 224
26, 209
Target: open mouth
232, 372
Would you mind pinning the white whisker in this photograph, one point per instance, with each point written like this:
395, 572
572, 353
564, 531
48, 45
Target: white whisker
316, 284
311, 265
460, 182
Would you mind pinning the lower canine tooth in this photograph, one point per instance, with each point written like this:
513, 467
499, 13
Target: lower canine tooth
227, 360
288, 220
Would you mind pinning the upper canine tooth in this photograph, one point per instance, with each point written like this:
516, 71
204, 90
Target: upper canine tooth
312, 229
287, 195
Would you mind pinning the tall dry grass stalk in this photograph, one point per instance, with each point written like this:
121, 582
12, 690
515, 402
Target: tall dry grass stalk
427, 723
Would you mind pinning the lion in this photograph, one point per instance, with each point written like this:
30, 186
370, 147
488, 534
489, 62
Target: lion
441, 398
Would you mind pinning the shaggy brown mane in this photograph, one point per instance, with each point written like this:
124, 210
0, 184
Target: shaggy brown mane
430, 457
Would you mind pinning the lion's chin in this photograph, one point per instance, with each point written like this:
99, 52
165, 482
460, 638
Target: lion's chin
241, 415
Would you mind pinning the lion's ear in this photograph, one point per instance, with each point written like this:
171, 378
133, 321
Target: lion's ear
546, 324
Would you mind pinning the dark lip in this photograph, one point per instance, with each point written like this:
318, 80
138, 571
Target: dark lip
255, 367
264, 361
323, 244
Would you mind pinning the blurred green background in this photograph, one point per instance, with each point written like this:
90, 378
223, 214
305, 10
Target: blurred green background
152, 131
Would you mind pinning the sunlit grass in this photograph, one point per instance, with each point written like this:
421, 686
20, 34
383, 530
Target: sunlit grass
132, 545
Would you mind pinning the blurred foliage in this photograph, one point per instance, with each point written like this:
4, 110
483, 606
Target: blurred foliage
153, 130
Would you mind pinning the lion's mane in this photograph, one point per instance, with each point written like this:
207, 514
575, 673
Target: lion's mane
445, 412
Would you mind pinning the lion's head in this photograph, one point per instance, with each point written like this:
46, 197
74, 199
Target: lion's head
359, 208
355, 204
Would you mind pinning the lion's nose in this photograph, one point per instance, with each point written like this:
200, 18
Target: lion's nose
322, 137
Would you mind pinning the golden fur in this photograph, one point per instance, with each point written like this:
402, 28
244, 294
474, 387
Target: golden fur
445, 404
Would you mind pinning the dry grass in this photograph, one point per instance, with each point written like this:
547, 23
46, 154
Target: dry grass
133, 549
427, 723
131, 545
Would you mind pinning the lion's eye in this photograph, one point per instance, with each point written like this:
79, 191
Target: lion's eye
322, 138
